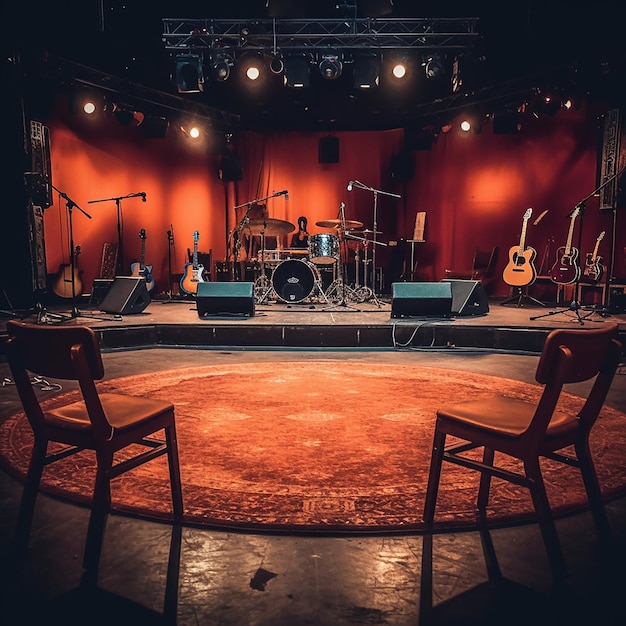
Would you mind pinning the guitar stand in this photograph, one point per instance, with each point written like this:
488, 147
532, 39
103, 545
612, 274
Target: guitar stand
574, 306
520, 295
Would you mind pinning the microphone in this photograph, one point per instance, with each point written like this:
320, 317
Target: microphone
143, 196
350, 184
285, 193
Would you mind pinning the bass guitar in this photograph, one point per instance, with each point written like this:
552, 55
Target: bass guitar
192, 274
68, 284
593, 263
520, 269
566, 270
141, 269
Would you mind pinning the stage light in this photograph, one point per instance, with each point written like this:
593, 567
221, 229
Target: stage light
330, 67
189, 74
89, 107
433, 67
399, 70
297, 71
221, 67
277, 65
366, 72
253, 72
466, 126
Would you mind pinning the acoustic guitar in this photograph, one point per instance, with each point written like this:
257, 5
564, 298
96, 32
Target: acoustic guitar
68, 284
566, 270
594, 267
520, 269
192, 274
141, 269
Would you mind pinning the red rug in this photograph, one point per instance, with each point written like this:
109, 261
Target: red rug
316, 446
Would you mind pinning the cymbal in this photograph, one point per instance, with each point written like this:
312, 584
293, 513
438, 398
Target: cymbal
270, 226
350, 224
366, 231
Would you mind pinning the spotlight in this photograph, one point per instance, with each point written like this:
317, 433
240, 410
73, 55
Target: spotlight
365, 73
297, 71
399, 70
221, 67
433, 67
189, 74
89, 107
330, 67
400, 66
253, 72
277, 65
466, 126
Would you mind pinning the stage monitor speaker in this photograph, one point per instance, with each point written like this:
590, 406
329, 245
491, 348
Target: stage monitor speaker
99, 290
127, 294
421, 299
218, 299
468, 297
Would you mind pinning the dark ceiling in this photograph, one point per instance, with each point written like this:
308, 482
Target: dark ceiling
519, 46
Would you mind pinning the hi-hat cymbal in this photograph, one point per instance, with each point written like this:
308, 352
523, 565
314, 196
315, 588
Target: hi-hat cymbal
349, 224
270, 227
366, 231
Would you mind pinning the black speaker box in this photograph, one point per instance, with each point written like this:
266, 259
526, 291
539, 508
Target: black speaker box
468, 297
421, 299
127, 294
329, 150
225, 299
99, 290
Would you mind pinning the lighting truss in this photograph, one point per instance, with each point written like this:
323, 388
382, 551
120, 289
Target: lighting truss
318, 36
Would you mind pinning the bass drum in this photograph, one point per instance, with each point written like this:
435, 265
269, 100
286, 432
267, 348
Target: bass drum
323, 249
293, 280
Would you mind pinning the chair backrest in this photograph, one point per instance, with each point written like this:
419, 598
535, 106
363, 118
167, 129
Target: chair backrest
574, 356
484, 261
64, 352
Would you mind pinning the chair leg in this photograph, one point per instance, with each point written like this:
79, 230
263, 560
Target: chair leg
545, 519
174, 469
434, 474
100, 508
29, 495
594, 494
485, 482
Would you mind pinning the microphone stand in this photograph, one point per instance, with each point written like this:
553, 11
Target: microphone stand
118, 203
70, 204
360, 185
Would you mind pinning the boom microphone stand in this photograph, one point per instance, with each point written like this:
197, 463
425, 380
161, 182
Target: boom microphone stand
70, 204
360, 185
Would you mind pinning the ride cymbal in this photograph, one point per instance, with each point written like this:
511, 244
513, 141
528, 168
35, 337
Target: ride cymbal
270, 227
349, 224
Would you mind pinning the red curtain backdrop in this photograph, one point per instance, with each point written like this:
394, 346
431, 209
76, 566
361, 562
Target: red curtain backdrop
474, 189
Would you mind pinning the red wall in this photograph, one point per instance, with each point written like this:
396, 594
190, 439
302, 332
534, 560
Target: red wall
474, 188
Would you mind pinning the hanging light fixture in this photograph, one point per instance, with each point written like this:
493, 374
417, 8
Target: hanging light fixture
330, 67
221, 67
189, 74
366, 72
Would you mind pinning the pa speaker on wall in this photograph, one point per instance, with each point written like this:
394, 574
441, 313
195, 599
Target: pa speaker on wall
421, 299
127, 294
329, 150
468, 297
217, 299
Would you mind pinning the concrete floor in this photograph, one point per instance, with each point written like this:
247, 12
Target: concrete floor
226, 578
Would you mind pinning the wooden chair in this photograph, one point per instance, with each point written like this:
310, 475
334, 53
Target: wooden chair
528, 431
103, 422
483, 265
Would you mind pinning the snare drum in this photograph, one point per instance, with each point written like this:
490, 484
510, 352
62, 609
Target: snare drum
293, 280
323, 248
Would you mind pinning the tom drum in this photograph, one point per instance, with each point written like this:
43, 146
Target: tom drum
323, 249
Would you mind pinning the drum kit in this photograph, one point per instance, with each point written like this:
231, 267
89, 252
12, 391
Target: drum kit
294, 275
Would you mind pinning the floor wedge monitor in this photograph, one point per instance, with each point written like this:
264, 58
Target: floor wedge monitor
127, 294
468, 297
421, 299
218, 299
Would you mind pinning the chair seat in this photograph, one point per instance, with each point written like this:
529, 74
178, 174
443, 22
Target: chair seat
121, 411
507, 417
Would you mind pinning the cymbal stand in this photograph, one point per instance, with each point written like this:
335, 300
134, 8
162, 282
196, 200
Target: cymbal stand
360, 185
70, 205
342, 303
262, 285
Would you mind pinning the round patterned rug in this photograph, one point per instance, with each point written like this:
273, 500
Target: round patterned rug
316, 446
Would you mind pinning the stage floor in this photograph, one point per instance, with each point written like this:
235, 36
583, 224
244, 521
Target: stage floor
316, 323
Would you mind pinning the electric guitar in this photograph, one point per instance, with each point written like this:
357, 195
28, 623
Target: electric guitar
69, 285
593, 263
566, 270
520, 270
141, 269
192, 274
